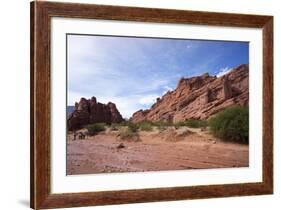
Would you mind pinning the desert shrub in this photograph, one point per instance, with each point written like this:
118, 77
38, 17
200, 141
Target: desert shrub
232, 124
125, 123
127, 134
162, 124
94, 129
133, 127
184, 133
146, 126
193, 123
114, 127
177, 126
162, 128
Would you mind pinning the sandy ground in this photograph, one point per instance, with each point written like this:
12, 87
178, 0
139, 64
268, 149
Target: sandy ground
156, 151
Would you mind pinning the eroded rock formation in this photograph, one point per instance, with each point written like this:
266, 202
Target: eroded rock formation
89, 111
199, 97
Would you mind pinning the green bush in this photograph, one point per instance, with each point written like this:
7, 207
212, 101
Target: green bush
162, 128
125, 123
193, 123
177, 126
114, 127
162, 124
94, 129
133, 127
126, 133
232, 124
146, 126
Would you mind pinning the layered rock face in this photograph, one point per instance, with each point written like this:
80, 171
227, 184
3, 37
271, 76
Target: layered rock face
199, 97
89, 111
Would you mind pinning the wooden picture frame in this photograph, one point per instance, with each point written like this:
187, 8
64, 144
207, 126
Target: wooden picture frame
41, 14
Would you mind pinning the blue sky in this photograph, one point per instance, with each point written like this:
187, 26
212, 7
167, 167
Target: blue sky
133, 72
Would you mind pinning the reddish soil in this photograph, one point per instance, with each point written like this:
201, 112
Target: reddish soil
167, 150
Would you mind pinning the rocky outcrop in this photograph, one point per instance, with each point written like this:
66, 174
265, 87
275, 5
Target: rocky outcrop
199, 97
89, 111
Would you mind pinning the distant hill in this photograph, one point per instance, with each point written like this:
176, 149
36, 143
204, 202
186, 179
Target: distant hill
69, 110
91, 111
199, 97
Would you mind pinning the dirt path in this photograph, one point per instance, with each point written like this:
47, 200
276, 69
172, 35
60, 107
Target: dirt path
155, 152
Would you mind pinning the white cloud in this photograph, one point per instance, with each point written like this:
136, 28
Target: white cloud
127, 105
73, 97
131, 73
223, 71
147, 100
166, 89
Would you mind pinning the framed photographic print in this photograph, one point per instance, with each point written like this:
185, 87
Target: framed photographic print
141, 105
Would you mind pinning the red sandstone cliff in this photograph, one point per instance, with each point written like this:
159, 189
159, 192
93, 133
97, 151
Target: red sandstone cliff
199, 97
90, 111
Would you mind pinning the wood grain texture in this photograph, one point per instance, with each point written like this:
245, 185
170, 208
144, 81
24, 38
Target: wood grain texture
32, 139
268, 104
41, 14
